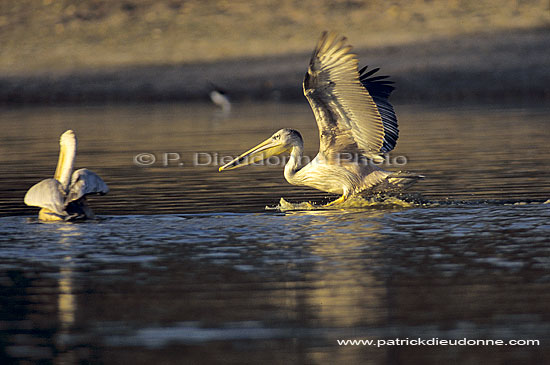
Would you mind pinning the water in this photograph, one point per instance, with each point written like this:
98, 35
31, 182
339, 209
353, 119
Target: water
186, 263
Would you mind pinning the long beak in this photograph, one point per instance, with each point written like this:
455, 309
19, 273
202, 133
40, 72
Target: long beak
60, 163
261, 152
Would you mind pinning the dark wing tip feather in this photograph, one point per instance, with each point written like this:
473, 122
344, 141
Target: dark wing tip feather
377, 78
377, 85
380, 88
364, 75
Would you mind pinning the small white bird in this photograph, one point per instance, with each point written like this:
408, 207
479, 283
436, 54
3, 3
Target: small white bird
220, 98
63, 198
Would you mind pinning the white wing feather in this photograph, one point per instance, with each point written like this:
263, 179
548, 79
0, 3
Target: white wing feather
84, 182
47, 194
346, 114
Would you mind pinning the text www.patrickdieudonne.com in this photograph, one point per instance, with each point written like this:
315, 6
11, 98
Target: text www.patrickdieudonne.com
435, 342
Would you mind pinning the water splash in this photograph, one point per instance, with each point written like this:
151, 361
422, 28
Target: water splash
378, 201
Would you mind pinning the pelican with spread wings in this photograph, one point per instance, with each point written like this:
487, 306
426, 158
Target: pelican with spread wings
63, 198
357, 125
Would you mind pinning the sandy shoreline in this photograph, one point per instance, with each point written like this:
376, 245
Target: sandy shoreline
511, 65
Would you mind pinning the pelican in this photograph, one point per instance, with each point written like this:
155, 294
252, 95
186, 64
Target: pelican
63, 198
357, 126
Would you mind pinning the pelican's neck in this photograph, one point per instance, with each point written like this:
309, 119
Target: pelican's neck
294, 163
67, 155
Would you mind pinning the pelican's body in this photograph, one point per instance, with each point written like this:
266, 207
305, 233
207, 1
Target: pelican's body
356, 122
64, 196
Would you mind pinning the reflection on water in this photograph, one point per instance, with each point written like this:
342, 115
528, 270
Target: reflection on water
187, 264
175, 285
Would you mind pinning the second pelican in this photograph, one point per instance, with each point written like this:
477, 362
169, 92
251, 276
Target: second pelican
64, 196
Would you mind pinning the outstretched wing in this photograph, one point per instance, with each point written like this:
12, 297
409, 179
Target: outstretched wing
349, 118
47, 194
84, 182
